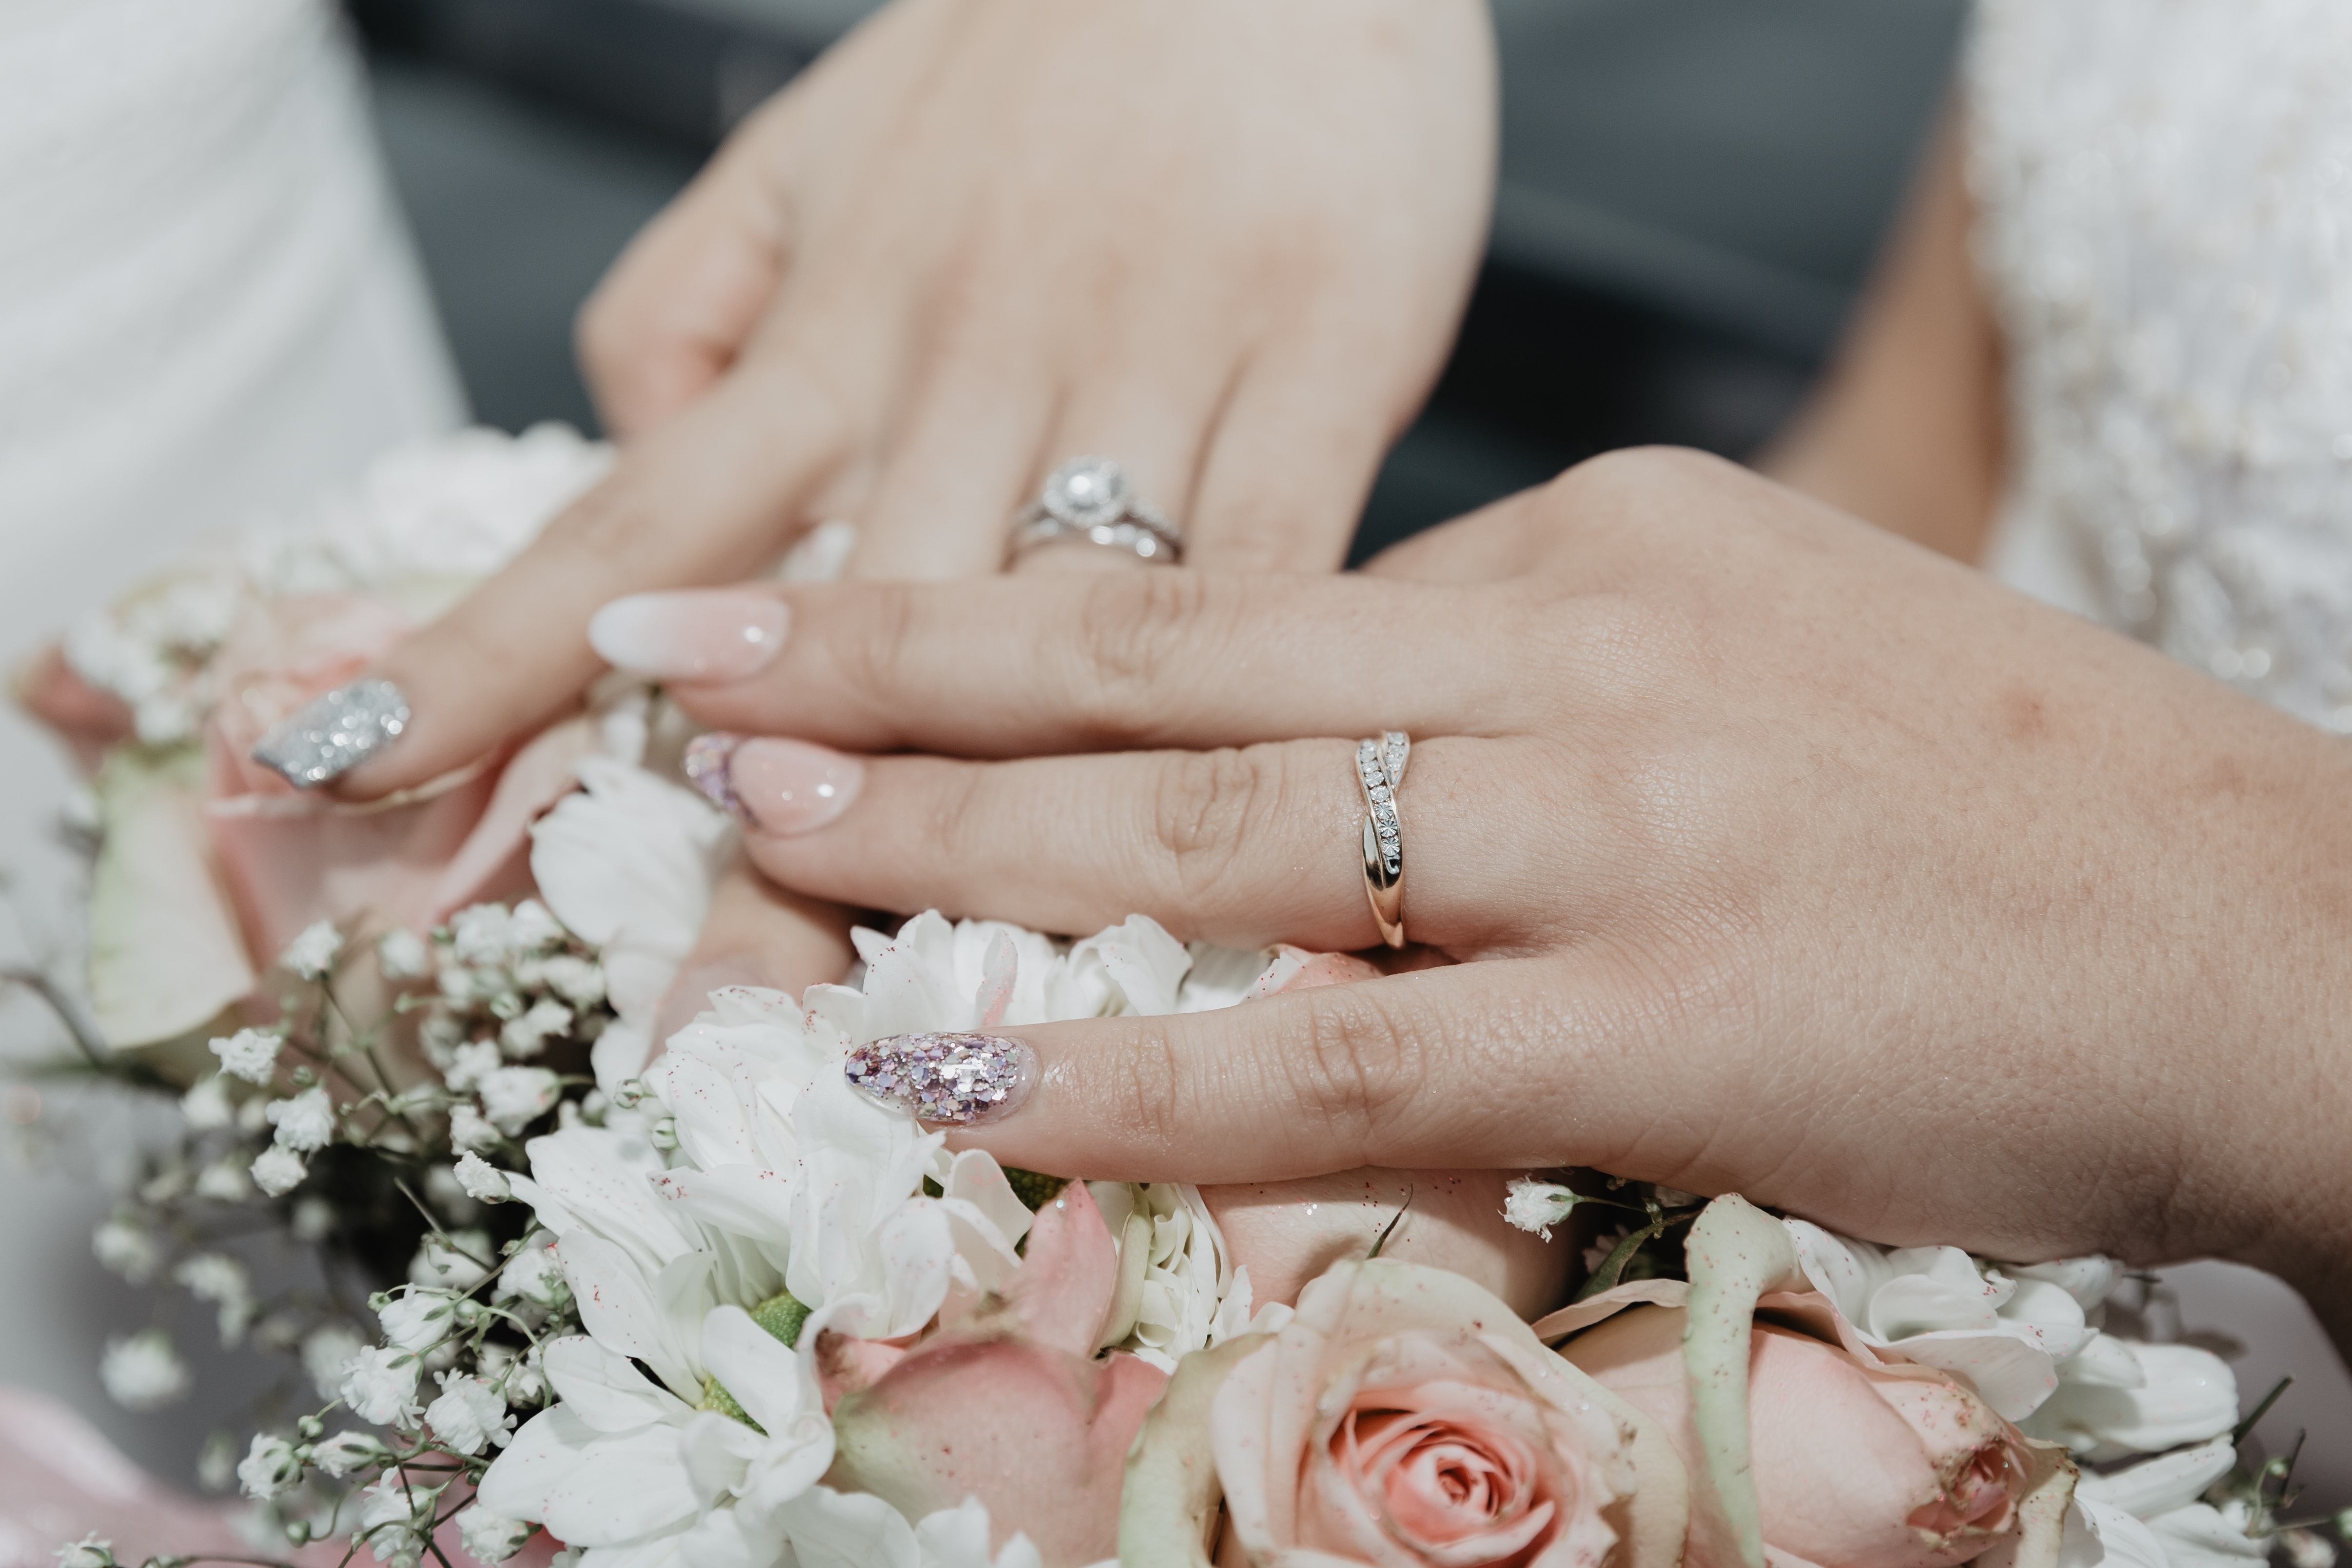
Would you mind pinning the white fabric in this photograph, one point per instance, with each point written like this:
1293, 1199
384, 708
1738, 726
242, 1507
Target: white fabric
208, 309
2165, 199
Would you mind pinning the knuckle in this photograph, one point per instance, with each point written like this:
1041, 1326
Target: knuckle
1357, 1066
1204, 812
1133, 629
871, 647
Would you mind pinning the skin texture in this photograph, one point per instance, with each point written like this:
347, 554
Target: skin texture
980, 236
1865, 887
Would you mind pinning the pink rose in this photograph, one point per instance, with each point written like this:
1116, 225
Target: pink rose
1009, 1404
1405, 1418
1857, 1465
211, 864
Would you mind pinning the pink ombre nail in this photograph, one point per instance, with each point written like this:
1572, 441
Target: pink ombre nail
695, 635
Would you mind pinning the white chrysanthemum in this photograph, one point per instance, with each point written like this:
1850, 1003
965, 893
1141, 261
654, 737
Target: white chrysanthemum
279, 1170
268, 1468
313, 953
2023, 1334
305, 1123
144, 1372
482, 1181
513, 1097
127, 1247
249, 1054
469, 1414
378, 1383
787, 1183
1536, 1206
1175, 1268
403, 956
488, 1537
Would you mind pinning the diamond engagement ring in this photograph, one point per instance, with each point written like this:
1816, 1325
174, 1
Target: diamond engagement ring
1379, 769
1089, 499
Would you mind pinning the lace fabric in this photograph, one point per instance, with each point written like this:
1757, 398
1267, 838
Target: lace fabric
2165, 197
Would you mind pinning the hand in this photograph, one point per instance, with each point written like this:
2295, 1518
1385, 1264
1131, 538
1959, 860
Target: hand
1781, 857
1223, 242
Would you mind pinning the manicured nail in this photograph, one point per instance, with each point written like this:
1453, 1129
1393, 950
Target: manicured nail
954, 1080
705, 633
778, 786
334, 732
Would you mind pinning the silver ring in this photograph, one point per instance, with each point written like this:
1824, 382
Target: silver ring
1379, 769
1089, 499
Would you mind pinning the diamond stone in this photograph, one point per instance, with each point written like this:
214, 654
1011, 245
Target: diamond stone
1086, 492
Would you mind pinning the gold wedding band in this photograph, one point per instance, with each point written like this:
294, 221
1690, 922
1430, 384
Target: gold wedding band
1379, 769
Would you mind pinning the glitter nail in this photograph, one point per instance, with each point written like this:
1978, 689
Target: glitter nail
954, 1080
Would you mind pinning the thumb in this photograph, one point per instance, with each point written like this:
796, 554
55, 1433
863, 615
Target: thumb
706, 499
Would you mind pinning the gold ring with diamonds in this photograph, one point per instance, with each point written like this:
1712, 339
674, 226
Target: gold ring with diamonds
1379, 769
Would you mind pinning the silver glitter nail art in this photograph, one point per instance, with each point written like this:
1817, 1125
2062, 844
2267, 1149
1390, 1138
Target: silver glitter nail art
334, 732
952, 1081
707, 765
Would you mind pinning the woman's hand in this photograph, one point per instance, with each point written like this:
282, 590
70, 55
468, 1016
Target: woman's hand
1782, 856
1225, 243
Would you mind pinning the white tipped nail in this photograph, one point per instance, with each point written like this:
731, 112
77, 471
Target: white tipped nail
695, 634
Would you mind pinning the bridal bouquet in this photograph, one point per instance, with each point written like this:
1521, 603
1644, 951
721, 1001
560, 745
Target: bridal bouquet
575, 1293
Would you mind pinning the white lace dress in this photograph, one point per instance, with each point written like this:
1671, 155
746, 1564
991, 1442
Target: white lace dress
2165, 199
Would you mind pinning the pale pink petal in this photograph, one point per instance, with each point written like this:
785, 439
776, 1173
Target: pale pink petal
495, 858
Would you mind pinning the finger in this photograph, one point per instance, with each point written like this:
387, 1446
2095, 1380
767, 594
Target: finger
943, 504
1009, 667
1243, 847
1288, 468
669, 317
1530, 1064
756, 934
705, 498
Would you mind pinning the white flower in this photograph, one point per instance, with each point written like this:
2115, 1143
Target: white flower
468, 1415
205, 1108
483, 935
533, 928
344, 1452
403, 956
516, 1377
92, 1551
221, 1279
470, 1063
454, 1260
2152, 1398
488, 1537
306, 1123
327, 1353
268, 1468
278, 1171
512, 1098
957, 1538
1175, 1267
392, 1515
249, 1054
1536, 1206
470, 1131
380, 1386
129, 1248
144, 1372
418, 1319
577, 980
224, 1181
534, 1275
313, 1221
629, 865
525, 1035
483, 1182
312, 953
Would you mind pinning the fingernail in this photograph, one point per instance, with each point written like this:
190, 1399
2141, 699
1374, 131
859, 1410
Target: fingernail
954, 1080
778, 786
707, 633
334, 732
